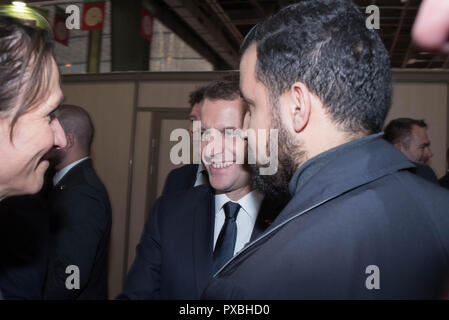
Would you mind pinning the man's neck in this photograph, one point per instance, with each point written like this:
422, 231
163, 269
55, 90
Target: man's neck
329, 141
238, 194
69, 160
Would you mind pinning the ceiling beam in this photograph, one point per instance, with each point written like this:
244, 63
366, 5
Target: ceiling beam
207, 28
398, 30
225, 20
165, 15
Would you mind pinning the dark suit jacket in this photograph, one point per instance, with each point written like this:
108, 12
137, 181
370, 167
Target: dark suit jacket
361, 209
444, 181
181, 178
80, 230
24, 233
174, 257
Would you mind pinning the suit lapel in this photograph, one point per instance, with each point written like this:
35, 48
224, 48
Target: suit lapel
269, 209
203, 235
191, 175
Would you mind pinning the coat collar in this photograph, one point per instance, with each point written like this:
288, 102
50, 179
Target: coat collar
358, 164
192, 175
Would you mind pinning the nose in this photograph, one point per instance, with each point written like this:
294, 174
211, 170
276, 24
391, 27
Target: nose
59, 135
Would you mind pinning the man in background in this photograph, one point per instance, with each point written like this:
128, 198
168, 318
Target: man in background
444, 181
193, 174
80, 215
410, 137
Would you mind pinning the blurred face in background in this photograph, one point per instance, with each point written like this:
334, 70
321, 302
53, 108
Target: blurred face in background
418, 150
195, 115
33, 135
221, 148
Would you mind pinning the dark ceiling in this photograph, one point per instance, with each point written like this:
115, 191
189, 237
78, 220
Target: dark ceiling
215, 28
229, 21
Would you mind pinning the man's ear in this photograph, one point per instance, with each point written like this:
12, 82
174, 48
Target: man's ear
301, 105
70, 140
398, 145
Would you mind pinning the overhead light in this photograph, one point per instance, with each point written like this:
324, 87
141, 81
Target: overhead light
19, 4
68, 64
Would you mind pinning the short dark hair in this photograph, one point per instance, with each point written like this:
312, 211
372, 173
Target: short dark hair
400, 130
325, 45
26, 55
226, 88
196, 96
77, 121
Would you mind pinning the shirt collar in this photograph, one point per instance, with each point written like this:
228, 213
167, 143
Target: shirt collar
200, 169
250, 203
61, 173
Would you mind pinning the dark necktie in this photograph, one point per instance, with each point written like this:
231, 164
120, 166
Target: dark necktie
224, 248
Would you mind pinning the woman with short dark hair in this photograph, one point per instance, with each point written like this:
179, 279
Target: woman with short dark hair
29, 93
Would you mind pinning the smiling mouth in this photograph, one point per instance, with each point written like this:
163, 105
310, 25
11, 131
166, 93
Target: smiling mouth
221, 165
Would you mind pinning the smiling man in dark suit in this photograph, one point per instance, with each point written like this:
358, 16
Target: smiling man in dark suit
191, 234
359, 224
80, 215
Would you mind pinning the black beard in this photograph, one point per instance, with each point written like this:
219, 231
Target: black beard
276, 185
54, 157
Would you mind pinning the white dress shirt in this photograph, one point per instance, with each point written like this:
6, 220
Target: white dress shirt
246, 218
61, 173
